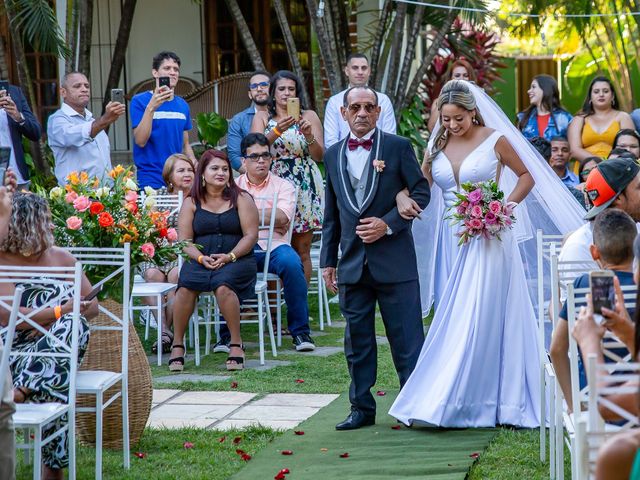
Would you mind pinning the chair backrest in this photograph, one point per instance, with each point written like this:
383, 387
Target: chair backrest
546, 246
183, 87
7, 343
266, 226
169, 202
576, 297
562, 275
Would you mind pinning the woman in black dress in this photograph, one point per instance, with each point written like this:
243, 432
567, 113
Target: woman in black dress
222, 220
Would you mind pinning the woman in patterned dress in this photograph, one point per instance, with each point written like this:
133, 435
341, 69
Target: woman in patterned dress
296, 145
29, 243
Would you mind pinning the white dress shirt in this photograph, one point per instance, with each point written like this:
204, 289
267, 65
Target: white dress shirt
336, 128
69, 136
5, 141
357, 159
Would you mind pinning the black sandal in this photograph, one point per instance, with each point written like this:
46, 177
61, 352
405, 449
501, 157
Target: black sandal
176, 364
238, 361
167, 339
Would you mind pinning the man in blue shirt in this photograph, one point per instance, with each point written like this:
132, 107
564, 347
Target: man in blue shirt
240, 124
560, 156
160, 121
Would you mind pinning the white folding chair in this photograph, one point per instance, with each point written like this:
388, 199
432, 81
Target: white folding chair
8, 333
170, 203
317, 283
580, 396
35, 417
209, 306
95, 383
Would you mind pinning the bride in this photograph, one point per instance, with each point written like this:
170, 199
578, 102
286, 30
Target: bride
479, 365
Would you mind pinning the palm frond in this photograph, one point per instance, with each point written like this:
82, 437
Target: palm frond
37, 22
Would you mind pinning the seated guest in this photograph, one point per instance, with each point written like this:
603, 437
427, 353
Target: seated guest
178, 173
222, 222
586, 165
29, 243
619, 457
621, 153
592, 130
628, 139
284, 261
559, 161
240, 124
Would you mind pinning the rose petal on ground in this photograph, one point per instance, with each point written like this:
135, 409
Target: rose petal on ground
237, 440
287, 452
344, 455
239, 451
284, 471
299, 380
475, 455
187, 445
298, 432
222, 439
141, 454
279, 476
396, 427
381, 393
234, 384
246, 457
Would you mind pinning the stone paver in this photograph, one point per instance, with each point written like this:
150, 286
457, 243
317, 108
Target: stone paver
212, 398
318, 352
189, 377
296, 399
160, 396
275, 424
273, 412
193, 412
180, 423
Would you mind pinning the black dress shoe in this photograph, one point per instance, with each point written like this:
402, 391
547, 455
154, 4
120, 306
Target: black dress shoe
356, 419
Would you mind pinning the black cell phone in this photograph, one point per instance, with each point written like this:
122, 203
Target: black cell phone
92, 294
117, 95
4, 85
5, 156
603, 294
164, 82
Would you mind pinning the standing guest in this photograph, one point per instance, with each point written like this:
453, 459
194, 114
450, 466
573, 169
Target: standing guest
593, 129
559, 161
16, 121
178, 174
378, 256
240, 124
160, 121
628, 139
544, 117
222, 222
459, 70
29, 243
79, 141
336, 127
296, 146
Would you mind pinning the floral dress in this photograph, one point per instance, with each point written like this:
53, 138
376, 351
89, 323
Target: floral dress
47, 377
293, 162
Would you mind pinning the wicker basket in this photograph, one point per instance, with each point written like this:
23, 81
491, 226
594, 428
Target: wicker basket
102, 355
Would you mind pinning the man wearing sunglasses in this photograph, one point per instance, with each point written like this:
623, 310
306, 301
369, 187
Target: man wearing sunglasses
240, 124
335, 127
364, 173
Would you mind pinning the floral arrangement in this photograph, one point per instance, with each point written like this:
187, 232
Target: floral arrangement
481, 211
108, 214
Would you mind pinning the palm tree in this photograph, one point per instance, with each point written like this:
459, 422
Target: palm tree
245, 34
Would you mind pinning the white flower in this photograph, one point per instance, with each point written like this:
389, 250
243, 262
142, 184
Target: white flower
150, 202
56, 193
149, 192
130, 184
103, 192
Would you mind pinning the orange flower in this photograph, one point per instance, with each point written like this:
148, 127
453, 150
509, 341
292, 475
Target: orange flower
96, 208
116, 171
84, 178
73, 178
105, 219
126, 238
132, 207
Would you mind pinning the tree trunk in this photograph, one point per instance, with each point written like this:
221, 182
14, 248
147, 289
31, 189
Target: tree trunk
409, 54
71, 36
245, 34
85, 33
119, 50
378, 40
396, 47
4, 60
291, 49
340, 22
331, 65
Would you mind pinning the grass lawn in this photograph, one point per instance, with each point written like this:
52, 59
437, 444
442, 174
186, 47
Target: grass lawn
514, 454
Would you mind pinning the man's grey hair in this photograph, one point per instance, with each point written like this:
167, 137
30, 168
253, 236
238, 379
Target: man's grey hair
345, 101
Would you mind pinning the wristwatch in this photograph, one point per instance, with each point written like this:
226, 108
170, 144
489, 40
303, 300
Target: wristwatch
389, 231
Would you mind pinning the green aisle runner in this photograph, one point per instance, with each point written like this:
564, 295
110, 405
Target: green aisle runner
377, 452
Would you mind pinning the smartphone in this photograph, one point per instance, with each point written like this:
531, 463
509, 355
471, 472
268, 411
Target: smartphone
164, 82
603, 294
293, 108
4, 87
5, 156
117, 95
92, 294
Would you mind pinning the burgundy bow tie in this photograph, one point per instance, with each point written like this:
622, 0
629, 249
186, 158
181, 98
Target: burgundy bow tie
354, 143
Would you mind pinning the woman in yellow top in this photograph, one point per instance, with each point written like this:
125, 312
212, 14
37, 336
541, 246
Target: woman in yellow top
593, 129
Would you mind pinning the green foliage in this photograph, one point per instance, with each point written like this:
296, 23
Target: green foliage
211, 128
41, 182
412, 125
36, 20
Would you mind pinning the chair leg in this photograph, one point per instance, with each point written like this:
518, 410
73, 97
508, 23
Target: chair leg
207, 329
27, 441
279, 312
147, 321
543, 413
125, 423
320, 299
99, 417
552, 430
37, 453
274, 350
326, 303
159, 322
196, 337
261, 328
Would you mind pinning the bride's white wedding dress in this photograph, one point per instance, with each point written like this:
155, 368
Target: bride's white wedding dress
479, 365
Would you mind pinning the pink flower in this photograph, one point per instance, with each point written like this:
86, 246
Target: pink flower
81, 203
172, 235
464, 204
476, 211
508, 210
495, 206
131, 196
490, 219
461, 210
148, 249
70, 197
475, 196
74, 223
475, 223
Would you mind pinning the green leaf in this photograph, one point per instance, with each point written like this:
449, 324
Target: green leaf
211, 128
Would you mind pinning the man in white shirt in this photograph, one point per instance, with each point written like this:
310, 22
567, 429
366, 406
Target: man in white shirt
335, 127
78, 140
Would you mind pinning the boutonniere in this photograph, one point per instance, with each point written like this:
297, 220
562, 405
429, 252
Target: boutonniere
378, 165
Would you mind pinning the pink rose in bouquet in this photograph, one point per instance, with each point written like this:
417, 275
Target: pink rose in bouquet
490, 219
131, 196
172, 235
508, 209
476, 224
74, 223
475, 196
476, 211
70, 197
495, 206
81, 203
148, 249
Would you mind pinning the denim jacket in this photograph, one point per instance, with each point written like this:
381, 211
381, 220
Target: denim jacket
557, 126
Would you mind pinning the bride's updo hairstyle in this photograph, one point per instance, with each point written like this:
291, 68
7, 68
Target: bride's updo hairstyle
454, 92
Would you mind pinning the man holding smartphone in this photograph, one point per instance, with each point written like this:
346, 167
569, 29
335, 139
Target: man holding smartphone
161, 121
16, 121
78, 140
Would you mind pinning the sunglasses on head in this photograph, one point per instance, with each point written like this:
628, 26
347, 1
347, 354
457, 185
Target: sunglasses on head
585, 173
355, 107
253, 86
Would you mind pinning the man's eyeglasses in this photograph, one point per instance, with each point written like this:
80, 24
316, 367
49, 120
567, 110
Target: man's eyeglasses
355, 107
253, 86
254, 157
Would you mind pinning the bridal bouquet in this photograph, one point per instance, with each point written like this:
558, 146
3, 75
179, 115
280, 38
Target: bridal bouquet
481, 210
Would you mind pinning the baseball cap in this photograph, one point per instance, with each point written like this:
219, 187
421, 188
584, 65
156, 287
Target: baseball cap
607, 181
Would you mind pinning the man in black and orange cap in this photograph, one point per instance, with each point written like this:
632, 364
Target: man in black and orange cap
614, 183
